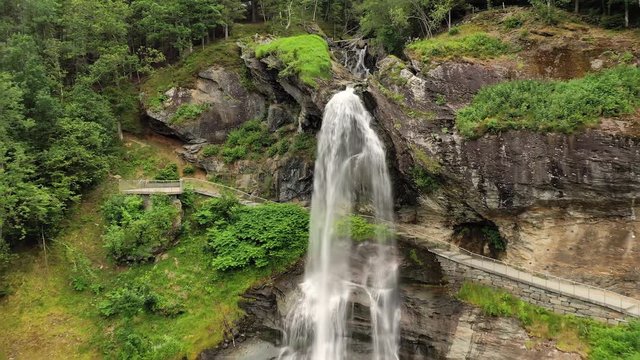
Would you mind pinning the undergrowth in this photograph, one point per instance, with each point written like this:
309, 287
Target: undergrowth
477, 45
305, 56
552, 106
589, 338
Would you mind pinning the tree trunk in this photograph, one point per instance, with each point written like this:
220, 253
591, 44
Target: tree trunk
226, 31
254, 11
626, 13
315, 9
449, 21
576, 8
289, 14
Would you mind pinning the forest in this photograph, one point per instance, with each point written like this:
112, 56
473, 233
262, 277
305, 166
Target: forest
70, 68
71, 73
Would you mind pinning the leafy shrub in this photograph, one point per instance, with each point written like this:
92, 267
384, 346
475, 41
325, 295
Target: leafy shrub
304, 144
187, 112
305, 56
424, 180
210, 150
5, 258
513, 22
169, 172
454, 31
128, 301
478, 45
615, 343
560, 106
252, 137
83, 275
260, 236
136, 235
188, 170
493, 237
127, 343
216, 212
358, 229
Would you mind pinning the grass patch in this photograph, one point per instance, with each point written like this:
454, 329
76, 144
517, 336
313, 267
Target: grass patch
478, 45
304, 56
187, 112
552, 106
586, 337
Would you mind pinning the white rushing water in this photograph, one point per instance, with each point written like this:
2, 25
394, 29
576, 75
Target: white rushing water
350, 170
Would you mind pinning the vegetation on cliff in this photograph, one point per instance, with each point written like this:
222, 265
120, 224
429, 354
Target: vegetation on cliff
304, 56
589, 338
477, 45
552, 106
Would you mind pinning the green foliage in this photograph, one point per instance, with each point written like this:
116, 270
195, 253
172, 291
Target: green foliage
210, 150
304, 144
260, 236
454, 31
493, 237
615, 343
252, 137
548, 12
304, 56
135, 234
558, 106
169, 172
83, 276
513, 22
187, 112
571, 334
424, 180
358, 229
217, 212
478, 45
188, 170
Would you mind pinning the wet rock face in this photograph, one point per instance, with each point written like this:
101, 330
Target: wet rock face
227, 105
434, 325
555, 197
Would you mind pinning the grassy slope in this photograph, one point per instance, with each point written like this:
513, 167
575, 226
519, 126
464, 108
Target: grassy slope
590, 339
44, 318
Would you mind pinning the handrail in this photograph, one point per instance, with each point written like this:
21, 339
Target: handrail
412, 231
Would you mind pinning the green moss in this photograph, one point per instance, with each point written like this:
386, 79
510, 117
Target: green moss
187, 112
552, 106
424, 180
305, 56
478, 45
591, 339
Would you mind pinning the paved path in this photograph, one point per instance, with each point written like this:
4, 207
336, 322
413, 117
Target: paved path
610, 299
602, 297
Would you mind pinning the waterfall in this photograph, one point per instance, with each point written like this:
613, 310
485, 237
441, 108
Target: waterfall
350, 170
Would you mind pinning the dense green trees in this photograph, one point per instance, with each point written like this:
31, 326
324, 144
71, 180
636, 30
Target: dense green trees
64, 65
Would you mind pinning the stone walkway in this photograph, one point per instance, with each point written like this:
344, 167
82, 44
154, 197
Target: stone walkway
601, 297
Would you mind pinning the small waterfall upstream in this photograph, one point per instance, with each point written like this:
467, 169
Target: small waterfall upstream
350, 171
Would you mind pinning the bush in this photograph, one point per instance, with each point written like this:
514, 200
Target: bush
359, 230
305, 56
83, 275
127, 343
454, 31
169, 172
260, 236
252, 137
210, 150
187, 112
478, 45
493, 237
424, 180
188, 170
136, 235
559, 106
513, 22
127, 301
216, 212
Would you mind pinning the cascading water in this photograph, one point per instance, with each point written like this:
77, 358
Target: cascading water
350, 170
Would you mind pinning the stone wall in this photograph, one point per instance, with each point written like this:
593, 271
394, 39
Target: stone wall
456, 273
